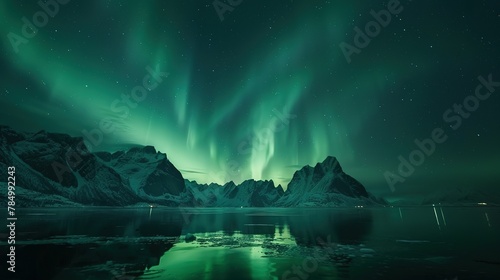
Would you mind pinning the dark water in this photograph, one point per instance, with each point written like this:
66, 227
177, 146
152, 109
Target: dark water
295, 244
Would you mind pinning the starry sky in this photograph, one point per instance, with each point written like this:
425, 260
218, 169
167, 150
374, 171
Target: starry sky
263, 87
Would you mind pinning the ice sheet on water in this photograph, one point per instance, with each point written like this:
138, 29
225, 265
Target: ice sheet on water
284, 247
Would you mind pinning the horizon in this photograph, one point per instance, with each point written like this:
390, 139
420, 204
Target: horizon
391, 197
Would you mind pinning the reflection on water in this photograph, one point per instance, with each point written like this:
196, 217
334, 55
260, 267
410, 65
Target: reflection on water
305, 225
256, 244
99, 243
149, 243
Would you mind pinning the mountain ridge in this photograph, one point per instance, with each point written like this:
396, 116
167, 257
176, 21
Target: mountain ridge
60, 168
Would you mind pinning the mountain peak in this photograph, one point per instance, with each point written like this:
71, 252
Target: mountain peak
331, 164
324, 184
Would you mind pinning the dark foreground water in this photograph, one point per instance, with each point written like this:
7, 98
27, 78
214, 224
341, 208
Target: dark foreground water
295, 244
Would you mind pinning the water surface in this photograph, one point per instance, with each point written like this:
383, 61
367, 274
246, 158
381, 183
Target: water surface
253, 243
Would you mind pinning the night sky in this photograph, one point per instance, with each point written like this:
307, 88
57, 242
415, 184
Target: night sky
267, 89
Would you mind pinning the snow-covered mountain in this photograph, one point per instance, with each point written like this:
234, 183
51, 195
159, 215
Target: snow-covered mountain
249, 193
54, 169
325, 184
61, 168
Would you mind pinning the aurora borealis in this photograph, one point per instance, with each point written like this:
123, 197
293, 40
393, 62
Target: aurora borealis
265, 91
